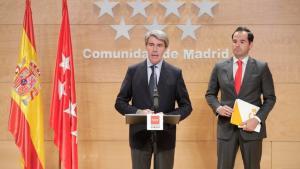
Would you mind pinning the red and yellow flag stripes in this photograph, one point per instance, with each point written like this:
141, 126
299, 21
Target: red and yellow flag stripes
26, 116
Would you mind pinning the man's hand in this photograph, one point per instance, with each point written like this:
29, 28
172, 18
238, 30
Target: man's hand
145, 111
225, 111
160, 113
250, 124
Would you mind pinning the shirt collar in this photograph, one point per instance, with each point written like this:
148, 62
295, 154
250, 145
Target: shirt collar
244, 60
158, 64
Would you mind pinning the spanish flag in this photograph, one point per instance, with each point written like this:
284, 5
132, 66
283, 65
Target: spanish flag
26, 116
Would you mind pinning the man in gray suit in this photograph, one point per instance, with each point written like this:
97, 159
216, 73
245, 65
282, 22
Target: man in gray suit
136, 97
240, 77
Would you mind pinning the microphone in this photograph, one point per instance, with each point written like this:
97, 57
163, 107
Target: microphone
155, 109
155, 99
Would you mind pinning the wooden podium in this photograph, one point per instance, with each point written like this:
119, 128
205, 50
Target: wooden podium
142, 118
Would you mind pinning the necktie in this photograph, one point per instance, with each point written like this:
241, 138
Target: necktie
238, 77
152, 81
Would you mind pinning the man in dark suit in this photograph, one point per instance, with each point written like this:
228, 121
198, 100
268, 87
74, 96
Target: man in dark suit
240, 77
137, 87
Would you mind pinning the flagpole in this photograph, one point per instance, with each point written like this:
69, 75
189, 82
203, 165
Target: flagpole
59, 163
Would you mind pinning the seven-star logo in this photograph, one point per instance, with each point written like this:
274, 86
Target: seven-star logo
171, 7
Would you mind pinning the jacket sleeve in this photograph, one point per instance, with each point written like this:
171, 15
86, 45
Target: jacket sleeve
125, 95
182, 97
212, 91
268, 93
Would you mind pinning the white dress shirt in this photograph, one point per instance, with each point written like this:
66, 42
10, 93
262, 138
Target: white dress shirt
235, 66
156, 69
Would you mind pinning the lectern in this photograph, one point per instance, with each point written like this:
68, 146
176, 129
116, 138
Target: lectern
142, 119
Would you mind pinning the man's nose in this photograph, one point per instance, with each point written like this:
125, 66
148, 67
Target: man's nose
237, 44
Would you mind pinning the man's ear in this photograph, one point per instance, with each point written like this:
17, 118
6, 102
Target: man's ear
251, 45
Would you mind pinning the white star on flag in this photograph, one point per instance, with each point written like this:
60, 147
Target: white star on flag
61, 89
205, 7
172, 7
65, 63
106, 7
122, 29
71, 109
75, 134
188, 29
155, 25
139, 7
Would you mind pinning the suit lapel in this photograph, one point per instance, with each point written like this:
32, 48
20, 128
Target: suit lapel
247, 74
143, 77
162, 77
229, 72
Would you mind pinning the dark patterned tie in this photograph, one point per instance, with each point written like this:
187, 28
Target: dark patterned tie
153, 80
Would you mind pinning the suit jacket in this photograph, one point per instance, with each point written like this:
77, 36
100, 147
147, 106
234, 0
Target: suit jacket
171, 88
257, 82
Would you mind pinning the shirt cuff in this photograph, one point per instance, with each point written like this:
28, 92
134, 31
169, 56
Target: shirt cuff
139, 111
258, 119
217, 110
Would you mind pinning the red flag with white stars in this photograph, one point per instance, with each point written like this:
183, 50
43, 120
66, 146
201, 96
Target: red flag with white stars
63, 106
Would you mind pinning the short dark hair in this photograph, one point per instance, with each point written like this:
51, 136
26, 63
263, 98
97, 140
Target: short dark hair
244, 29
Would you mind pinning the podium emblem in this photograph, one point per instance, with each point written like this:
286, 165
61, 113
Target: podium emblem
155, 122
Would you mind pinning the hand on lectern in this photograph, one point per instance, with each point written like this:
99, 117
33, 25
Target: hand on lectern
145, 111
